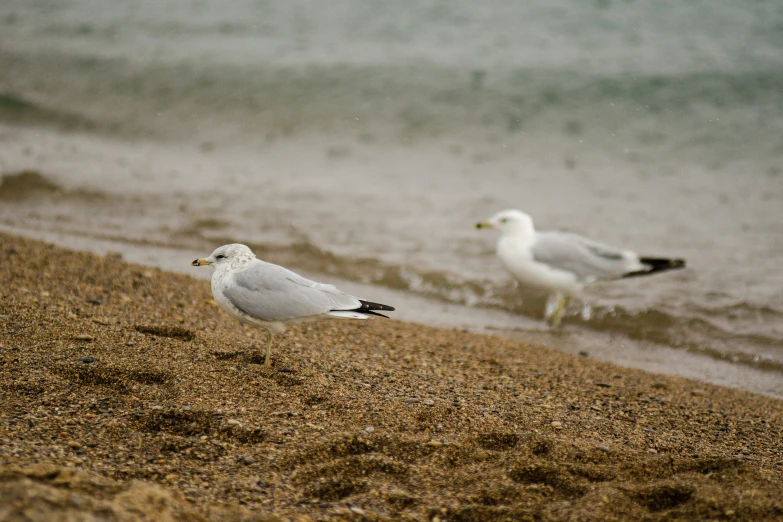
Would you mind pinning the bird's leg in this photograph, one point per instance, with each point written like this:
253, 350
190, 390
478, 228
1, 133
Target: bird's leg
559, 303
552, 302
268, 361
557, 316
566, 301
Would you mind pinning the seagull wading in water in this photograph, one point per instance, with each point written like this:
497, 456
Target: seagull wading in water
269, 296
563, 263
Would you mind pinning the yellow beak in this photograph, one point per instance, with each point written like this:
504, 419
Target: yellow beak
484, 224
200, 262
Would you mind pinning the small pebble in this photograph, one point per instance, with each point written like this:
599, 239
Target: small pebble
584, 354
87, 360
603, 384
698, 392
369, 429
358, 511
411, 400
83, 337
603, 448
233, 422
429, 402
557, 424
245, 459
434, 444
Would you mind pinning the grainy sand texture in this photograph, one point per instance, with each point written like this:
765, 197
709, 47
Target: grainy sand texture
125, 394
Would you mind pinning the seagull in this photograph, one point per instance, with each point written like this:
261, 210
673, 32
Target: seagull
563, 263
270, 296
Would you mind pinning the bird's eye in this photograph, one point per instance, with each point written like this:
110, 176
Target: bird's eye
220, 256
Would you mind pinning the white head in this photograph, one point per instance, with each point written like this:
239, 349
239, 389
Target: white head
234, 255
510, 222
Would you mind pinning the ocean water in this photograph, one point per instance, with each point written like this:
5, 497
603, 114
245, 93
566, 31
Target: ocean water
363, 139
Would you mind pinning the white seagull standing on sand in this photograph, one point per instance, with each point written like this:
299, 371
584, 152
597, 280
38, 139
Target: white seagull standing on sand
563, 263
269, 296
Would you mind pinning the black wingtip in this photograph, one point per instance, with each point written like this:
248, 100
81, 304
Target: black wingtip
369, 308
367, 305
370, 312
657, 264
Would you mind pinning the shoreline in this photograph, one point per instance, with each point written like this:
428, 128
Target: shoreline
601, 345
124, 390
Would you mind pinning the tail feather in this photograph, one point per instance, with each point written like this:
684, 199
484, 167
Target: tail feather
656, 264
368, 308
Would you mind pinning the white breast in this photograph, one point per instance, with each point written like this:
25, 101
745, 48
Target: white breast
514, 252
220, 280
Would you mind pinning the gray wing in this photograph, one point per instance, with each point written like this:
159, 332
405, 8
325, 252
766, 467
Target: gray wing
273, 293
585, 258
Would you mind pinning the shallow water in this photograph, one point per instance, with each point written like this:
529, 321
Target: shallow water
363, 141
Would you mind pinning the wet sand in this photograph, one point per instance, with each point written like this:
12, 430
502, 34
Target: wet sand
125, 393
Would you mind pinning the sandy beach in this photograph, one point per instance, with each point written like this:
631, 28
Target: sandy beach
358, 143
125, 394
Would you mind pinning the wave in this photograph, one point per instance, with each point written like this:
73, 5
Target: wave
402, 101
16, 109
